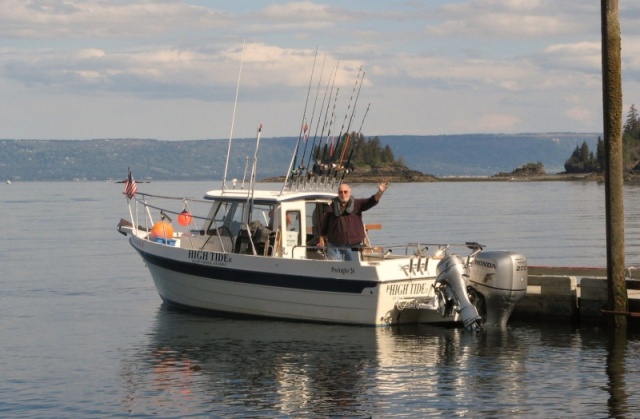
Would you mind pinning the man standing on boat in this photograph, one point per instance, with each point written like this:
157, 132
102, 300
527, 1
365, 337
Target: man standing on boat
342, 227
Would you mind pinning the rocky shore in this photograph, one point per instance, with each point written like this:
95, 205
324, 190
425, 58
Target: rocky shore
406, 175
378, 174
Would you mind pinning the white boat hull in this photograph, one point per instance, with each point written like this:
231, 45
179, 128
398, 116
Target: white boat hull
305, 290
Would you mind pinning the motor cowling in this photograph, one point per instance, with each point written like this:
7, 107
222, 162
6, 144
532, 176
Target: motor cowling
501, 279
450, 273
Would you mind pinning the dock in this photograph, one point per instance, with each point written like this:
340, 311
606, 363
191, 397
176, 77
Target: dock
574, 294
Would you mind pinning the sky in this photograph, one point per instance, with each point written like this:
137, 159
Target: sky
171, 69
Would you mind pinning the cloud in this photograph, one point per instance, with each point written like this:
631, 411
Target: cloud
301, 14
450, 73
578, 56
631, 58
513, 18
50, 19
527, 64
580, 113
98, 69
178, 72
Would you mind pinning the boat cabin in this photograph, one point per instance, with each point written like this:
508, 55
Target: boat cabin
265, 224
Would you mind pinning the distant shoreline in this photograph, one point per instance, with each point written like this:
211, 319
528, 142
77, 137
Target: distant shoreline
367, 179
535, 178
394, 178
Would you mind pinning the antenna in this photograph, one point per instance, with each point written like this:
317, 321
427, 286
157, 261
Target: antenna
252, 180
233, 120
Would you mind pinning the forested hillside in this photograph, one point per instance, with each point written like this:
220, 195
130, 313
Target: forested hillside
101, 159
585, 159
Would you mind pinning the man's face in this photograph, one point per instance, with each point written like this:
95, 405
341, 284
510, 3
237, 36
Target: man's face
344, 193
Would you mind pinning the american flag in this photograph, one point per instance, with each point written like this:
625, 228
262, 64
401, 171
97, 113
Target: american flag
130, 187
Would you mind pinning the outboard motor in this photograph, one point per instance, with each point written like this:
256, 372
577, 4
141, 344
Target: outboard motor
498, 280
451, 289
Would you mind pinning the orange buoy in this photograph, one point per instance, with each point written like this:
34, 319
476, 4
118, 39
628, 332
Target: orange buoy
185, 218
162, 230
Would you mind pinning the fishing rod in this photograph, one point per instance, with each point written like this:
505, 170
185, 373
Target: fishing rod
320, 165
344, 147
322, 111
335, 165
363, 118
294, 158
301, 168
328, 165
316, 169
348, 132
334, 151
339, 163
347, 167
233, 120
323, 161
345, 119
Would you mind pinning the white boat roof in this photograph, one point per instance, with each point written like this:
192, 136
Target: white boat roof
268, 196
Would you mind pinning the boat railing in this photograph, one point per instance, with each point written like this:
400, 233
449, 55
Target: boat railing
419, 250
200, 232
410, 250
251, 238
218, 236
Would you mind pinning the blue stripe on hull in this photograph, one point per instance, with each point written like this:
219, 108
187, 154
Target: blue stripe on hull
172, 305
260, 278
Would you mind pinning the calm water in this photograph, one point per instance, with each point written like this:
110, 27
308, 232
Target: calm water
84, 333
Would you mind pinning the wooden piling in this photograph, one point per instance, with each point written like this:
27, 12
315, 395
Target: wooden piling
612, 113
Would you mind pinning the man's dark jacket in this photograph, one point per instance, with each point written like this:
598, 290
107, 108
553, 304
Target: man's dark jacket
345, 227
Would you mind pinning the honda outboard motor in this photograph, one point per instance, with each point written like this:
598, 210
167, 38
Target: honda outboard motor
452, 291
500, 279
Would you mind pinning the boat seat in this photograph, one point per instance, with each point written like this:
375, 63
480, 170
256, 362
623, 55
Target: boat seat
260, 237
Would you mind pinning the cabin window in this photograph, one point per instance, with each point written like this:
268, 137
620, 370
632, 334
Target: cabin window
264, 214
229, 215
293, 228
218, 216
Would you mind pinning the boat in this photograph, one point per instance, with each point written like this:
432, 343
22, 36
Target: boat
254, 253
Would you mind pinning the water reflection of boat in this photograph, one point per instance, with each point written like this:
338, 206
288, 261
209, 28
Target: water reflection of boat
269, 365
189, 365
234, 366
